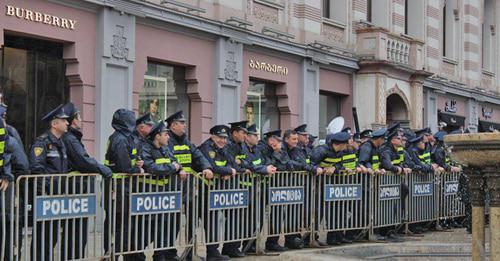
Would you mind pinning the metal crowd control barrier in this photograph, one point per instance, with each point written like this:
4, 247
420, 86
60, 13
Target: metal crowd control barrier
59, 217
227, 211
343, 202
7, 223
150, 214
285, 195
386, 201
450, 205
422, 199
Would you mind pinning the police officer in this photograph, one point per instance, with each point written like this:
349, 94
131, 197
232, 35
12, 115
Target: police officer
123, 159
79, 159
255, 158
48, 156
365, 135
143, 126
10, 129
236, 142
369, 156
312, 141
426, 139
329, 157
418, 155
302, 152
186, 153
439, 155
223, 163
160, 162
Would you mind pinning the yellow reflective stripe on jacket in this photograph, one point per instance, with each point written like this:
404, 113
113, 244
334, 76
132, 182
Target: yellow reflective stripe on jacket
257, 162
330, 162
185, 158
2, 146
118, 176
308, 161
134, 151
241, 156
375, 162
163, 161
426, 157
74, 172
181, 147
349, 161
401, 153
2, 131
159, 182
188, 169
220, 163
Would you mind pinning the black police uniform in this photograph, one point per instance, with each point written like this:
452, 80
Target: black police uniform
79, 159
236, 149
48, 156
302, 153
425, 155
158, 161
121, 157
417, 156
222, 162
10, 129
256, 160
144, 119
325, 156
438, 152
369, 155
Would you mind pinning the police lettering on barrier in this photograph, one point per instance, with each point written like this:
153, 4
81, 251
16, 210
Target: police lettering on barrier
450, 187
342, 192
65, 207
389, 192
148, 203
228, 199
286, 195
422, 189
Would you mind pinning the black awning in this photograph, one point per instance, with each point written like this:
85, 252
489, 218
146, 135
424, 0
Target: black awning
451, 119
486, 126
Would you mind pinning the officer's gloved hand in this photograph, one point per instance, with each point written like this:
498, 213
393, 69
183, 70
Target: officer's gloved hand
105, 172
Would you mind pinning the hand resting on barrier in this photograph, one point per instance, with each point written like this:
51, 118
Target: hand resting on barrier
208, 174
4, 184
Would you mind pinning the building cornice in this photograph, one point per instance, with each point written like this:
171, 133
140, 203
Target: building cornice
461, 90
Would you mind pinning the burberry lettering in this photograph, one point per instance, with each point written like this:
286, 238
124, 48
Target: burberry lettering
39, 17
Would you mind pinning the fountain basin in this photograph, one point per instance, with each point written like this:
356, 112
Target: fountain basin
478, 150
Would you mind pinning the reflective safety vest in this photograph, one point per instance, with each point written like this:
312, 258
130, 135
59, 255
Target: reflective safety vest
375, 162
425, 157
349, 161
401, 157
153, 180
2, 144
183, 155
330, 162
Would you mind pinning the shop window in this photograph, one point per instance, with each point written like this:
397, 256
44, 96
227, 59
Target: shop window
32, 82
261, 107
335, 10
329, 108
164, 91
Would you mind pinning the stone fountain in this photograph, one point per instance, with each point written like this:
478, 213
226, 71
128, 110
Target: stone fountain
479, 153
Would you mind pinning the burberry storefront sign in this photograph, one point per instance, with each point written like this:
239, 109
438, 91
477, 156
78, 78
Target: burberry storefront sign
39, 17
268, 67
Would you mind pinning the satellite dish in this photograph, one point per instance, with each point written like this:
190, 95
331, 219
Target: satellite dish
335, 125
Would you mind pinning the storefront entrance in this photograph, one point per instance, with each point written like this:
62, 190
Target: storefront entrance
32, 81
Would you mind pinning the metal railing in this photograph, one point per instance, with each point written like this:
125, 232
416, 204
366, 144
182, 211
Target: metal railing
82, 216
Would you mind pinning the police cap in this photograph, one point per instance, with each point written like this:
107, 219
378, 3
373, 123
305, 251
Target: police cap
157, 128
301, 129
239, 125
347, 130
219, 130
178, 116
392, 135
71, 110
357, 137
57, 113
275, 134
416, 140
439, 136
339, 137
424, 131
393, 127
379, 133
252, 129
366, 134
145, 119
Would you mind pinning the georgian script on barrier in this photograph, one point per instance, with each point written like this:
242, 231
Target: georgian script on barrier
223, 199
53, 207
342, 192
286, 195
451, 187
388, 192
155, 203
423, 189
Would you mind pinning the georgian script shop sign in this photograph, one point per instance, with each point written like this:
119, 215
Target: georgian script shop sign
39, 17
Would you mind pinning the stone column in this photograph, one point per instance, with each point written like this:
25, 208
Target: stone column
493, 182
477, 199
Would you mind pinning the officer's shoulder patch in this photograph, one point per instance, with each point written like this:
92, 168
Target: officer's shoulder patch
38, 151
211, 154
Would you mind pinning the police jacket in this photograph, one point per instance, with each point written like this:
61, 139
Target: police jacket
325, 157
187, 154
416, 156
221, 160
438, 155
264, 149
79, 159
48, 155
14, 134
237, 151
157, 161
391, 158
369, 155
300, 159
121, 154
257, 162
15, 160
